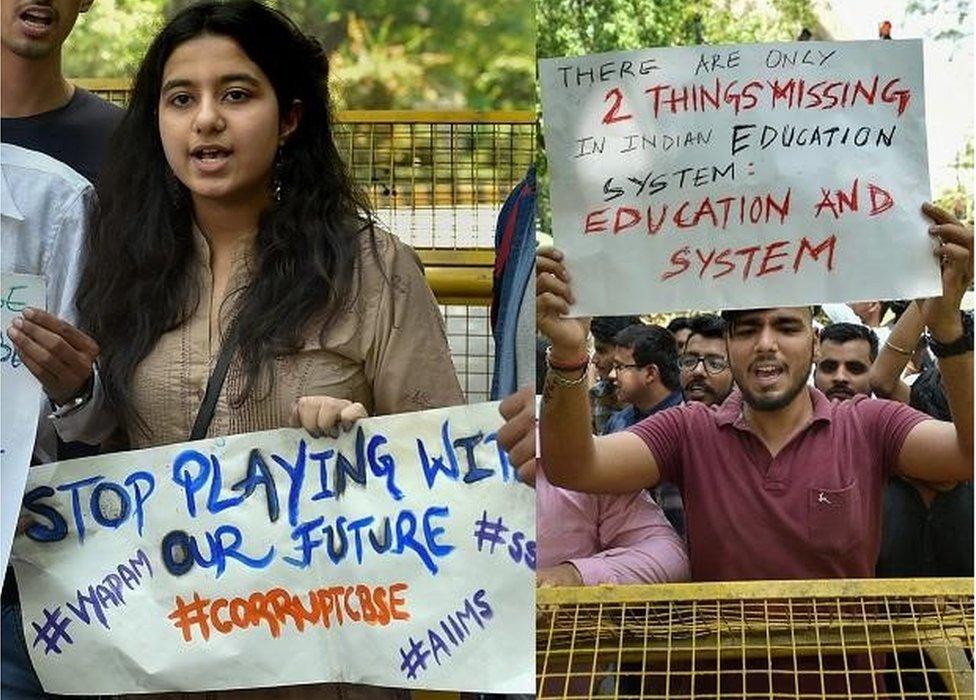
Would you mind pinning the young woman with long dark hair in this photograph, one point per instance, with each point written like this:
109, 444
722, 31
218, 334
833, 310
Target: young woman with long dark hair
226, 215
227, 225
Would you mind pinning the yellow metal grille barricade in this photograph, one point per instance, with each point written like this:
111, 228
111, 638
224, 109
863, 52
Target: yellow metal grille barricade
114, 90
438, 178
903, 638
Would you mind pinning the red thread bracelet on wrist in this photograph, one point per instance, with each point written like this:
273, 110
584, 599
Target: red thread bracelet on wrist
583, 363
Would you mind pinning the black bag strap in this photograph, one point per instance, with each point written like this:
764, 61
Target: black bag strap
214, 385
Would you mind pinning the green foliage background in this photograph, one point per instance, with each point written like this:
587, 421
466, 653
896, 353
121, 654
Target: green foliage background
959, 197
385, 54
454, 54
575, 27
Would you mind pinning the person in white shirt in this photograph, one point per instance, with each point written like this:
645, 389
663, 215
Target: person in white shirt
44, 209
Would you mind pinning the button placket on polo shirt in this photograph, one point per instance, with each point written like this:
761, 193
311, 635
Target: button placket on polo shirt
778, 476
760, 457
776, 470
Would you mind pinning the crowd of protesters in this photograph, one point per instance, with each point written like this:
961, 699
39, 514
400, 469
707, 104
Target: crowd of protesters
765, 471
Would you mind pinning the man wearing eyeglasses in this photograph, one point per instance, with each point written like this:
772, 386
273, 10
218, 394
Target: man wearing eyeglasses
603, 395
645, 372
705, 373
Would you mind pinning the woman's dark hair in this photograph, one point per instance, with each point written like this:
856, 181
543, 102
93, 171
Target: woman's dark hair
139, 278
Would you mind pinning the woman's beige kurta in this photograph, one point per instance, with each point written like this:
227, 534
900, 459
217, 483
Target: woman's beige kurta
387, 350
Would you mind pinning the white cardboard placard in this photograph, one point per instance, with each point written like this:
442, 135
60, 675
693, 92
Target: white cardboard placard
401, 554
743, 176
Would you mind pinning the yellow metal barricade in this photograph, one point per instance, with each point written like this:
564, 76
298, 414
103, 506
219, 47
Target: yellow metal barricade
904, 638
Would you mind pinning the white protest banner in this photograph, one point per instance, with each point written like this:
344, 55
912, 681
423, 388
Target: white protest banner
21, 402
401, 554
715, 177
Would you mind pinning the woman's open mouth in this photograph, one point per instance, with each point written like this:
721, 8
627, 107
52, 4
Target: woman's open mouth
210, 159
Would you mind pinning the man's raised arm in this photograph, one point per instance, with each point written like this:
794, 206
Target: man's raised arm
887, 368
936, 450
573, 457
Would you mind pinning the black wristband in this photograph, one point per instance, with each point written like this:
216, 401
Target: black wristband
959, 346
82, 397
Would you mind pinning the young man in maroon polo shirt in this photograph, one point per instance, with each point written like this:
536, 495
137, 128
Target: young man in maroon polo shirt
784, 484
778, 482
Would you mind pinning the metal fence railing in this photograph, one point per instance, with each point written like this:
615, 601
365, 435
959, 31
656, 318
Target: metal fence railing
436, 179
904, 638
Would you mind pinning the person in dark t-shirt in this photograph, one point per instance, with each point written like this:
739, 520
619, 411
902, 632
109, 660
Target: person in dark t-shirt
76, 133
41, 110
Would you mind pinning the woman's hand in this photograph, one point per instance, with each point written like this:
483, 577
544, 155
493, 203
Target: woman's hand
324, 415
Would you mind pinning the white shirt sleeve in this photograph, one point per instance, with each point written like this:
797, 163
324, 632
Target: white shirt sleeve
91, 422
62, 257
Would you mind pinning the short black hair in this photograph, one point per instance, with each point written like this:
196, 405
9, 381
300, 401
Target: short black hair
707, 326
679, 323
653, 345
605, 328
731, 315
841, 333
898, 307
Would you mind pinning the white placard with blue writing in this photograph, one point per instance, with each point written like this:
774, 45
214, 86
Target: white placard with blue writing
401, 554
716, 177
21, 399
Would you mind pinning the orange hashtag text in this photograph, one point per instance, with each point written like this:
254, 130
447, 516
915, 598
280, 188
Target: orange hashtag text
277, 608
